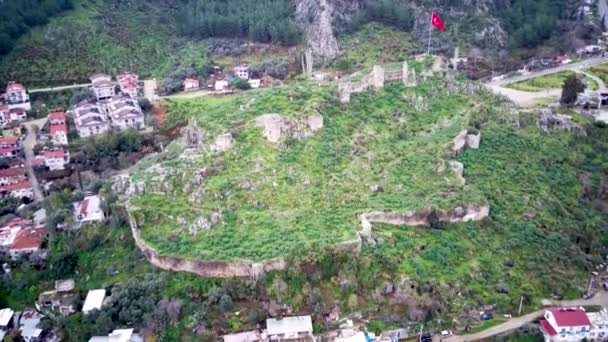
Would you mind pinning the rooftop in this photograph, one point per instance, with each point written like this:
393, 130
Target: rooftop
59, 153
29, 324
8, 140
94, 300
57, 115
12, 172
17, 186
14, 86
246, 336
5, 316
288, 325
29, 238
61, 127
127, 80
570, 317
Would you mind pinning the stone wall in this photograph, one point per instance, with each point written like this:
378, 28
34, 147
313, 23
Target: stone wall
422, 218
376, 79
204, 268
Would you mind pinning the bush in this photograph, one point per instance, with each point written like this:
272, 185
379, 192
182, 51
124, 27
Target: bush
240, 84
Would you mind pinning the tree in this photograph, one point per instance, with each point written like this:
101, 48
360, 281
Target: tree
84, 94
572, 86
225, 303
240, 84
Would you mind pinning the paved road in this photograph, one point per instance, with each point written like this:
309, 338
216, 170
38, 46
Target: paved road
59, 88
572, 66
514, 323
28, 147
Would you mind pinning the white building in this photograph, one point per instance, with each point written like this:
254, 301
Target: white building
221, 85
19, 190
246, 336
129, 84
28, 326
599, 325
12, 175
191, 84
56, 159
94, 300
58, 127
6, 319
90, 119
118, 335
289, 328
242, 71
89, 210
255, 83
102, 86
124, 112
26, 242
17, 114
16, 96
565, 325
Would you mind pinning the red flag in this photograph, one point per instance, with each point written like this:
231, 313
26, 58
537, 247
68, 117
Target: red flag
437, 22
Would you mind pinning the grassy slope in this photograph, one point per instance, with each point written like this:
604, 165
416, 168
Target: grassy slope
287, 216
97, 36
547, 82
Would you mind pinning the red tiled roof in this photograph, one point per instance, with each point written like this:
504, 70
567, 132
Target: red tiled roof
12, 172
62, 127
54, 154
8, 140
58, 115
5, 150
127, 80
29, 238
17, 221
38, 161
547, 327
14, 86
191, 80
570, 317
84, 205
3, 107
17, 186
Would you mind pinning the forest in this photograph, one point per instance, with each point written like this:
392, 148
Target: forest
530, 23
264, 21
18, 16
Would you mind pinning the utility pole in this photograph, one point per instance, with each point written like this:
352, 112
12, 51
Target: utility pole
589, 287
521, 304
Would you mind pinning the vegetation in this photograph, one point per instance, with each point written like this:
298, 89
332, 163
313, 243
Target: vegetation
530, 23
388, 12
17, 17
600, 71
553, 81
260, 20
572, 86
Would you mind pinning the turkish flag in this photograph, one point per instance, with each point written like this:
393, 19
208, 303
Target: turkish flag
437, 22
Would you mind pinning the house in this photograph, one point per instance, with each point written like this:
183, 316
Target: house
599, 325
118, 335
89, 210
16, 96
58, 127
8, 232
19, 190
102, 86
12, 175
10, 142
129, 84
124, 112
8, 152
28, 326
56, 159
6, 319
27, 241
4, 114
17, 114
255, 83
15, 162
90, 119
565, 324
94, 300
221, 85
60, 300
191, 84
241, 71
297, 328
247, 336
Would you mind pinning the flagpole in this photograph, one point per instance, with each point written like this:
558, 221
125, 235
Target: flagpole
428, 52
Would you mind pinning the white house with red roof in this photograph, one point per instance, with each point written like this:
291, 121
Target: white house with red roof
12, 175
19, 190
566, 324
56, 159
89, 210
16, 96
102, 86
129, 84
8, 232
124, 112
27, 241
58, 127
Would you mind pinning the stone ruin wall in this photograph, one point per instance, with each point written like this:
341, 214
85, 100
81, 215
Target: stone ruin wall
376, 79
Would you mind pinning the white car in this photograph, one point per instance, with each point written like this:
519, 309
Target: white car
446, 333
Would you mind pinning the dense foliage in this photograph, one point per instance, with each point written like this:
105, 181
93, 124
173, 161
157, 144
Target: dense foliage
260, 20
389, 12
530, 23
18, 16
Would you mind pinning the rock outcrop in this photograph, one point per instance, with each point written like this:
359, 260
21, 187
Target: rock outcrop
551, 122
275, 127
464, 140
222, 142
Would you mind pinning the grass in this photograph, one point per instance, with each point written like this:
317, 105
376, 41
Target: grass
307, 193
547, 82
600, 71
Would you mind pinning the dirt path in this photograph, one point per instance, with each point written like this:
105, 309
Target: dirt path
526, 99
600, 84
514, 323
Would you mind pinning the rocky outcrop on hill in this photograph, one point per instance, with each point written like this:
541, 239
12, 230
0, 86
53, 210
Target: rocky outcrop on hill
464, 140
275, 127
551, 122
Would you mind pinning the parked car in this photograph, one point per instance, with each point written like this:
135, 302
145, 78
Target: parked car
426, 338
486, 317
446, 333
